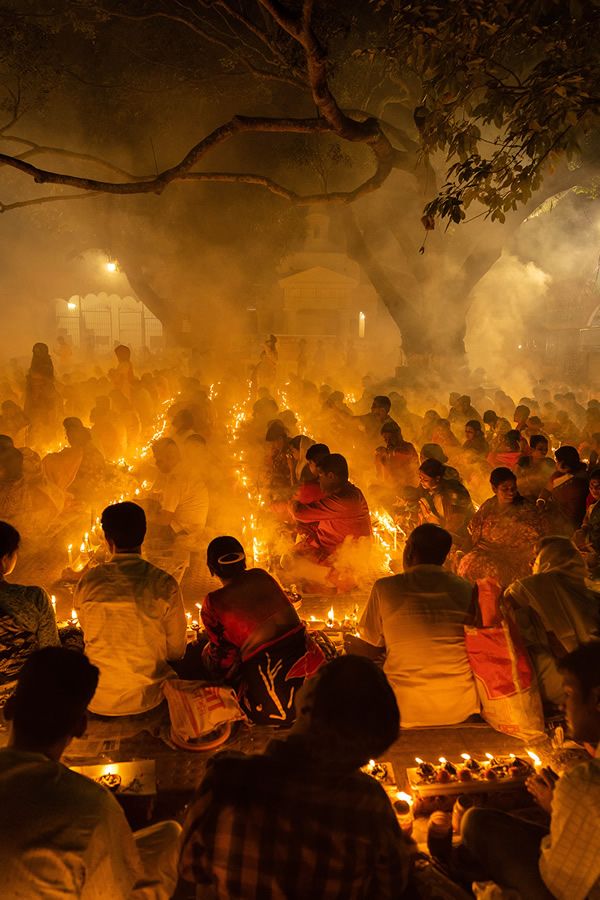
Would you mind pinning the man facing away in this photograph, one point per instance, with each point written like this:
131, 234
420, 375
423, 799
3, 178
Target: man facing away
302, 820
418, 619
132, 617
62, 834
563, 864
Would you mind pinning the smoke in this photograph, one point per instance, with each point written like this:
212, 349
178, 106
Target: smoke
498, 323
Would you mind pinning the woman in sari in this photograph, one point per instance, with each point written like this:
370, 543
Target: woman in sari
555, 610
503, 534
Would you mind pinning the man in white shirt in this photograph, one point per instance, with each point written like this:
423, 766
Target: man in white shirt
565, 863
62, 834
132, 617
181, 492
418, 619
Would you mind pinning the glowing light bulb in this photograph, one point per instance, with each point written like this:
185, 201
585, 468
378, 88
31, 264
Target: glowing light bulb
71, 305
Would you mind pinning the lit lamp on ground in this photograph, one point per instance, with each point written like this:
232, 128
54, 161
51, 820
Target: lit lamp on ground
361, 324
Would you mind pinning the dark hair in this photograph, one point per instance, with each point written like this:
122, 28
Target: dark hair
490, 416
501, 475
537, 440
9, 539
434, 451
390, 428
125, 524
430, 544
433, 468
354, 711
276, 430
195, 439
595, 474
512, 438
225, 557
6, 442
382, 401
569, 456
584, 664
317, 452
522, 410
334, 464
474, 424
53, 691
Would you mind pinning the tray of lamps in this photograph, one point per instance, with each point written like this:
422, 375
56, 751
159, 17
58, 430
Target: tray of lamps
135, 778
470, 776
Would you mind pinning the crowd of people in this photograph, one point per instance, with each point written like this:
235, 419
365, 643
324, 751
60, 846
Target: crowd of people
237, 498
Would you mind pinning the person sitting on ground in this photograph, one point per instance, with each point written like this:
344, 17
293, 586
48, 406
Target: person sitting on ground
253, 628
567, 492
341, 514
27, 620
508, 451
503, 533
63, 834
555, 610
445, 501
181, 494
462, 412
309, 487
277, 466
475, 441
563, 862
418, 619
303, 819
534, 469
583, 535
396, 462
132, 617
379, 416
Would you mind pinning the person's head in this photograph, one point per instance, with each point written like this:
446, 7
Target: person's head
333, 473
314, 455
76, 432
6, 442
504, 485
11, 464
464, 403
511, 441
48, 708
380, 407
123, 353
595, 483
472, 429
166, 455
567, 460
433, 451
124, 526
490, 418
534, 424
539, 446
277, 435
183, 420
40, 351
391, 434
348, 712
522, 413
427, 545
225, 558
581, 681
431, 472
9, 548
555, 552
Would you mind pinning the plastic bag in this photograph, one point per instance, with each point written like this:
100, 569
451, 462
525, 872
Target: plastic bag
201, 714
506, 681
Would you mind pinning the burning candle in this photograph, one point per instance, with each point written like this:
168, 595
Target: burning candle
330, 618
53, 602
403, 808
70, 553
537, 763
74, 618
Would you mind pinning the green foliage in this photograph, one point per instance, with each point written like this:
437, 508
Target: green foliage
507, 89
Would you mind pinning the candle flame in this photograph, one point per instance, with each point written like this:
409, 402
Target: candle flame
74, 617
465, 756
418, 760
109, 770
489, 756
535, 759
402, 795
443, 760
82, 547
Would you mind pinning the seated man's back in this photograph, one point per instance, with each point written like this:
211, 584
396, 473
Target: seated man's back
419, 616
302, 821
133, 622
61, 833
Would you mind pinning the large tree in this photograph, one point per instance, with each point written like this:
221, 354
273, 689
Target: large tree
378, 110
